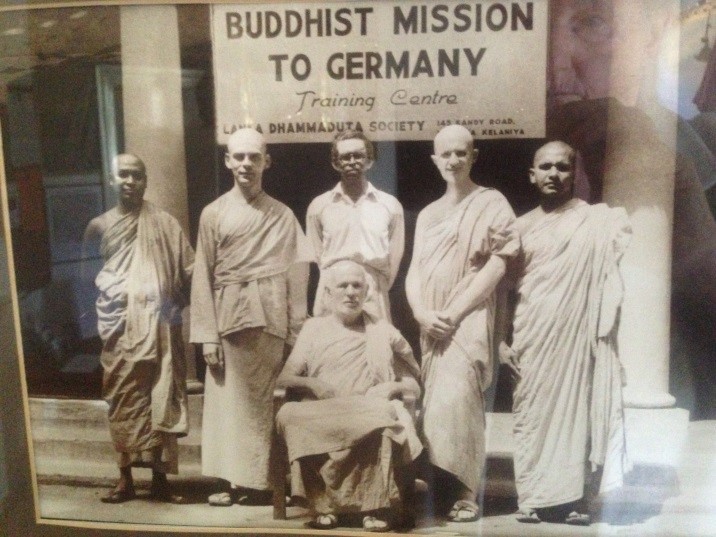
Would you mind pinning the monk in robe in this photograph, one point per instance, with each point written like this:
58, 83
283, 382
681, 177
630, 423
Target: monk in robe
248, 305
461, 243
143, 287
568, 399
350, 443
354, 220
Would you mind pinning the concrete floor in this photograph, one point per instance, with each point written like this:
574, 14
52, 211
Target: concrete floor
680, 502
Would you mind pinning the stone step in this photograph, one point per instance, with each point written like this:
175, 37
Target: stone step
71, 438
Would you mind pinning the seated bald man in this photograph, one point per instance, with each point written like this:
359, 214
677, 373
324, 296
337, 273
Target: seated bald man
350, 440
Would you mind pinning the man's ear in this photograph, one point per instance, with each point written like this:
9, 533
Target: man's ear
368, 164
334, 163
532, 176
227, 158
267, 161
434, 158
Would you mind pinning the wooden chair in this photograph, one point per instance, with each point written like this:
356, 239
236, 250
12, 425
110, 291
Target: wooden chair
280, 470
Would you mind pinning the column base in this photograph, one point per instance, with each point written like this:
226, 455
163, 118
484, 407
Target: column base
636, 399
655, 436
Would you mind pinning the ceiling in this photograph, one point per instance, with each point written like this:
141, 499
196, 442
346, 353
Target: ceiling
48, 37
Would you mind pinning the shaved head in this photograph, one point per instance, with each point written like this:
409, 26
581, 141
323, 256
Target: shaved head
555, 145
246, 137
339, 267
452, 133
128, 159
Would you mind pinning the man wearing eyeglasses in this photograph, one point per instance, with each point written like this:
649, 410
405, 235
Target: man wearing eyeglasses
248, 305
356, 221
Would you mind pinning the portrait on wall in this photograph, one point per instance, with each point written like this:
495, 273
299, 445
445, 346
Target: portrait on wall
404, 266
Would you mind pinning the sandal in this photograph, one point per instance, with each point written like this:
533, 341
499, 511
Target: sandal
578, 519
326, 521
222, 499
528, 516
375, 525
119, 496
464, 511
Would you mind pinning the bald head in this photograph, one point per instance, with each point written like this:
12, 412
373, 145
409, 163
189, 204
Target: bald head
247, 137
347, 289
337, 269
552, 173
452, 133
247, 159
129, 179
128, 160
556, 145
454, 154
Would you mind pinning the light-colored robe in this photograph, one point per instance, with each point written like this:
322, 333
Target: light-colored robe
342, 449
143, 287
458, 369
569, 395
241, 299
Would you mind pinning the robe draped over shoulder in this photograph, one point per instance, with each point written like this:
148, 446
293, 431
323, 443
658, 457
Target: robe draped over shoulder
143, 287
569, 395
240, 278
457, 370
353, 435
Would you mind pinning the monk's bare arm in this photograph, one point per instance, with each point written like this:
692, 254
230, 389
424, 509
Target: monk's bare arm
477, 290
305, 385
203, 316
397, 243
314, 229
297, 281
405, 369
294, 374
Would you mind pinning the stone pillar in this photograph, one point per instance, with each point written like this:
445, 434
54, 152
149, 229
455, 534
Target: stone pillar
633, 179
639, 176
153, 114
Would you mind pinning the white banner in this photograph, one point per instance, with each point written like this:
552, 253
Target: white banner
397, 70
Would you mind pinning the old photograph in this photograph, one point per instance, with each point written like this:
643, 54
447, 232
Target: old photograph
420, 267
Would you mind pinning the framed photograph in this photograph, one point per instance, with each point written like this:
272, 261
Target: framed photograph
167, 166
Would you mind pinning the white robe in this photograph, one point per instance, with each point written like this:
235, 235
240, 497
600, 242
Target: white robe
569, 394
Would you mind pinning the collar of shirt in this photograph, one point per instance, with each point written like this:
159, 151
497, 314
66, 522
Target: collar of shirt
338, 193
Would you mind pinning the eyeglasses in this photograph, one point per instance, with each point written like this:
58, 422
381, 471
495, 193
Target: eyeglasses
347, 157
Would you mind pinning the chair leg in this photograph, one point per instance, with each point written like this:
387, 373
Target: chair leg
279, 469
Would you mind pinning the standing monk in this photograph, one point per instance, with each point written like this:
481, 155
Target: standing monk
143, 287
356, 221
568, 401
461, 243
249, 302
